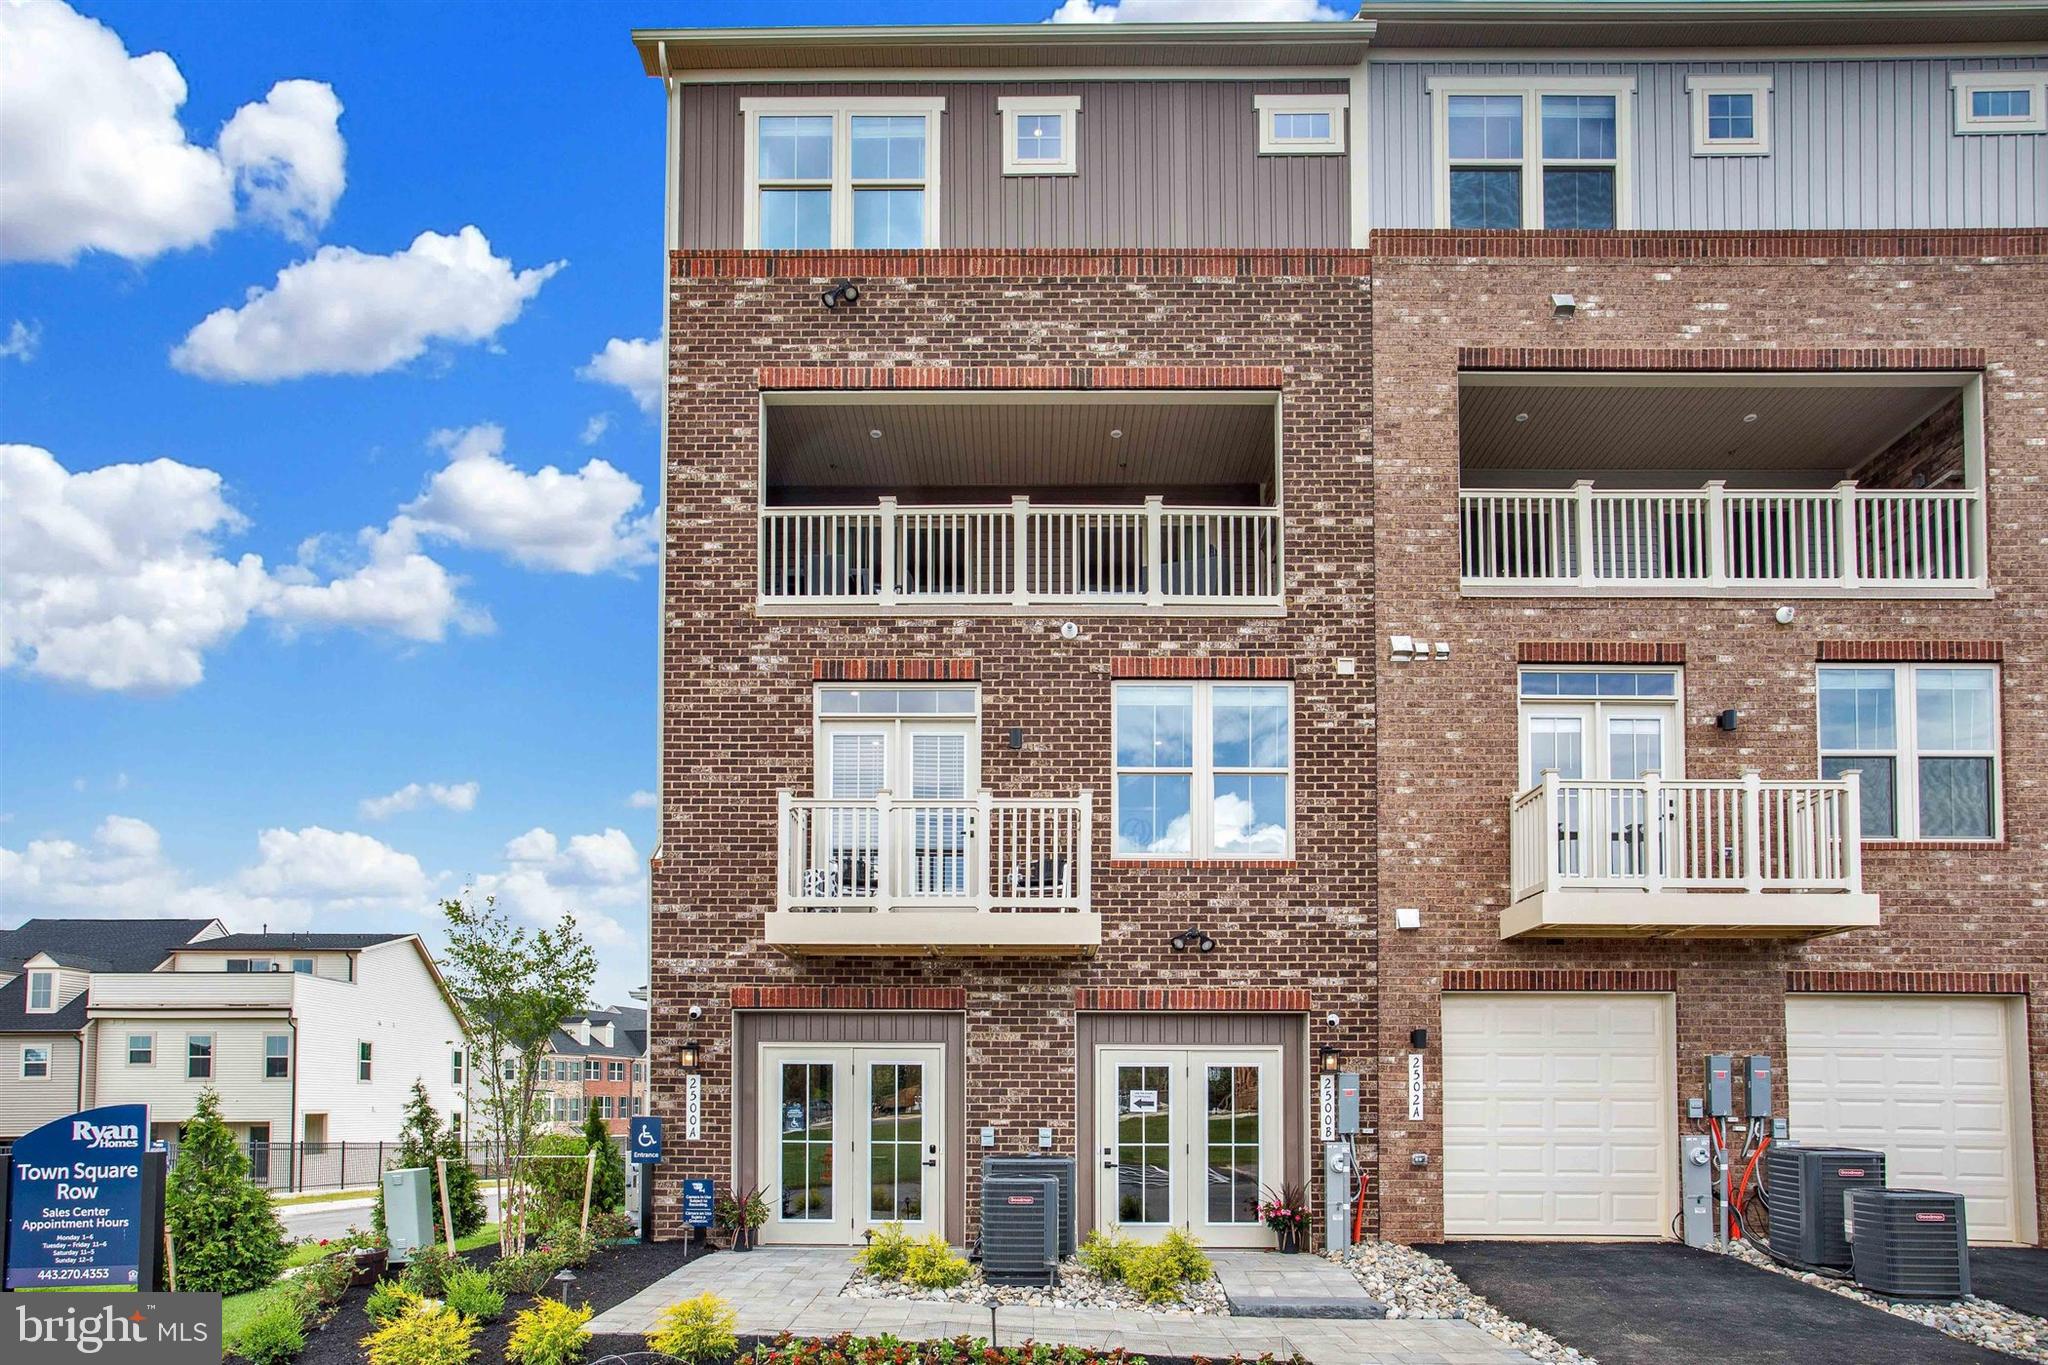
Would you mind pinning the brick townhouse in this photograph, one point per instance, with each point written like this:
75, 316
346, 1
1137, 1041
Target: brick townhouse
1200, 554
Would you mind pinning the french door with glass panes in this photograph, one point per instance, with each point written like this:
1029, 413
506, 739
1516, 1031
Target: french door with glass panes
929, 769
1602, 833
851, 1138
1187, 1138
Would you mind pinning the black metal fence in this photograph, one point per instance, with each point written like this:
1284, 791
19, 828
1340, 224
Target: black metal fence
308, 1167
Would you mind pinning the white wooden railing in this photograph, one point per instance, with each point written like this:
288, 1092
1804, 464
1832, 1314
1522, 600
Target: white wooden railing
1656, 835
981, 853
1712, 537
1020, 554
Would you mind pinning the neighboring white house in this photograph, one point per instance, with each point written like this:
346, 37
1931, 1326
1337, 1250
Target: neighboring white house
311, 1039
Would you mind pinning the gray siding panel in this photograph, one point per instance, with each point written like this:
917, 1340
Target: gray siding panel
1161, 163
1855, 144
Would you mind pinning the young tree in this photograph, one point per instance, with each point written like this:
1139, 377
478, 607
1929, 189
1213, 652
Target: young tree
422, 1138
515, 985
608, 1185
224, 1228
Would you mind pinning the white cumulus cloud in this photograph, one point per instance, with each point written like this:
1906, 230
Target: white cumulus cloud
634, 366
598, 878
332, 866
113, 578
348, 312
93, 157
574, 523
22, 341
593, 430
643, 800
455, 796
1194, 11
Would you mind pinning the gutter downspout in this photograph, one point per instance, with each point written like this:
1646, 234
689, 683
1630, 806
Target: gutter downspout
291, 1132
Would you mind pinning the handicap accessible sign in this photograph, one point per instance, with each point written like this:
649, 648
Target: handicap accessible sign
75, 1201
644, 1138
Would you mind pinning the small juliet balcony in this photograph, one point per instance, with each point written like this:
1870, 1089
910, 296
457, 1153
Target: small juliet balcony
1651, 858
983, 875
1007, 502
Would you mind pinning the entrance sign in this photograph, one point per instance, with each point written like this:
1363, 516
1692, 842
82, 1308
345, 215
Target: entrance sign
697, 1203
74, 1201
644, 1137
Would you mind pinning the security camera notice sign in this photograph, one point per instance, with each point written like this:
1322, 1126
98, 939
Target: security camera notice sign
111, 1329
74, 1200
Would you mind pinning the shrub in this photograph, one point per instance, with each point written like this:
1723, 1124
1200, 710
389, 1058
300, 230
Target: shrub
323, 1283
549, 1333
568, 1244
1106, 1255
698, 1329
610, 1225
1186, 1254
556, 1186
526, 1274
389, 1298
426, 1274
608, 1184
931, 1264
885, 1256
469, 1293
1154, 1272
276, 1334
428, 1334
422, 1138
226, 1231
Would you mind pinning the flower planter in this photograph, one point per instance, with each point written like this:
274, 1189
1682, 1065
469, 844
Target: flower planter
369, 1264
1290, 1241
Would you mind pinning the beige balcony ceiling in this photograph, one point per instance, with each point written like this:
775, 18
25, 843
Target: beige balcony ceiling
1216, 447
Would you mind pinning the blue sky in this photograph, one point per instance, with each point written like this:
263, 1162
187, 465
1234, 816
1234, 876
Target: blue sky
223, 335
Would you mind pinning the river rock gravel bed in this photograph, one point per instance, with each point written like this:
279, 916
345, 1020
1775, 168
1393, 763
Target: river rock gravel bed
1076, 1289
1413, 1284
1978, 1321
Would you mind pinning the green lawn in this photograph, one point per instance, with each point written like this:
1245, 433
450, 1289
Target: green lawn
322, 1197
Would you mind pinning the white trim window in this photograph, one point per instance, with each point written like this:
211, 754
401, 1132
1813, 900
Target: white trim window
365, 1053
1204, 770
199, 1056
277, 1056
842, 173
2000, 101
1532, 152
42, 992
142, 1049
35, 1062
1039, 133
1924, 739
1301, 125
455, 1067
1731, 115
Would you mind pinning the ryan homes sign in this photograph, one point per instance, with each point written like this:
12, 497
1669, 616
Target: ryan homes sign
76, 1207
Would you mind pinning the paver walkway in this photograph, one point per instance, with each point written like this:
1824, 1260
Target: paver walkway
788, 1289
1265, 1284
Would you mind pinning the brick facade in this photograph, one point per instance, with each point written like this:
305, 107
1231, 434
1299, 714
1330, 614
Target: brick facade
1955, 916
1294, 935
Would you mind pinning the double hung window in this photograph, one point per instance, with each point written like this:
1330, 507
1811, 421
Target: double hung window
1532, 154
824, 173
1204, 770
1923, 739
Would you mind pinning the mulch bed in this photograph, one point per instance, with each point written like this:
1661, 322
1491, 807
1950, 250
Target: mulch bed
615, 1274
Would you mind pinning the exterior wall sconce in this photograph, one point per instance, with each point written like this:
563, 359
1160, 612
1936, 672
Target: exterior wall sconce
687, 1055
1328, 1060
1727, 720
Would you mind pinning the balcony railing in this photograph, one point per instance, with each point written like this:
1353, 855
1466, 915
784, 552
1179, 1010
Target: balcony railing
1020, 555
203, 990
1844, 538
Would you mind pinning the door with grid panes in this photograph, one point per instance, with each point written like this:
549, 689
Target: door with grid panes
1187, 1138
1606, 834
851, 1138
928, 767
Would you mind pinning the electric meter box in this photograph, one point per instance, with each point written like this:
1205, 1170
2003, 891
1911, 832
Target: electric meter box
1757, 1087
408, 1211
1720, 1085
1347, 1102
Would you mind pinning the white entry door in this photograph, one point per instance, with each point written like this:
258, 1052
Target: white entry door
1936, 1083
850, 1139
1187, 1138
1610, 835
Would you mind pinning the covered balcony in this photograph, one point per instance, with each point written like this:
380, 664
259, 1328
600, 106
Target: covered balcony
1650, 858
981, 875
1779, 485
995, 502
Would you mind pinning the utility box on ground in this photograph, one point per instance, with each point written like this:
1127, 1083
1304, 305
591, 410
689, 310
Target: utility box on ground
408, 1211
1059, 1169
1808, 1189
1020, 1239
1909, 1244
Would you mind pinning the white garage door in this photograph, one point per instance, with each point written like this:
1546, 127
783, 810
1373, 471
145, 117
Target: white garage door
1557, 1115
1927, 1080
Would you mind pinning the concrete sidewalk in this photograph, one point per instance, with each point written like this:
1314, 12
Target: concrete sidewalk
787, 1289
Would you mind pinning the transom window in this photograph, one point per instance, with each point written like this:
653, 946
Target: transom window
1534, 154
1204, 770
827, 174
1301, 125
35, 1062
42, 992
2000, 101
1039, 133
277, 1056
1924, 739
1730, 115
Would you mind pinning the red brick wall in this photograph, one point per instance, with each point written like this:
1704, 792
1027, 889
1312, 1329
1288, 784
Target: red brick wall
1447, 734
736, 687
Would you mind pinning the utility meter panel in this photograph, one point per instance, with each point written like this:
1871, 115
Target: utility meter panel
1757, 1087
1720, 1085
408, 1211
1347, 1102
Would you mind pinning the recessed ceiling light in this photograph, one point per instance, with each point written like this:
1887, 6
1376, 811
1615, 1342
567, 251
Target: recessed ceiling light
1521, 417
874, 433
1116, 433
1749, 417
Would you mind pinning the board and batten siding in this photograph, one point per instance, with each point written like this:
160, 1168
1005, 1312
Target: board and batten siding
30, 1104
1160, 164
1855, 143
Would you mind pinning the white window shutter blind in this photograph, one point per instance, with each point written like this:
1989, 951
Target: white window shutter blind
856, 766
938, 767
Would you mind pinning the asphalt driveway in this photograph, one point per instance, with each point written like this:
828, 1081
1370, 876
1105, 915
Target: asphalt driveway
2014, 1276
1654, 1303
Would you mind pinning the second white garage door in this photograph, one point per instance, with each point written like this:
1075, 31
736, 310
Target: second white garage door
1930, 1081
1558, 1113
